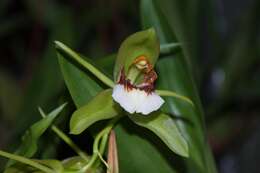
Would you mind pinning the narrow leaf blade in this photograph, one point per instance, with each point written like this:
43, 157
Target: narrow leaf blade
31, 136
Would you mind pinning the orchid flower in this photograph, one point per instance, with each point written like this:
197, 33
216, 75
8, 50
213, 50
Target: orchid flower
132, 93
138, 98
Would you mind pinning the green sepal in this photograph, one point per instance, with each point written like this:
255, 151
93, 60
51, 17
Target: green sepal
140, 43
164, 126
99, 108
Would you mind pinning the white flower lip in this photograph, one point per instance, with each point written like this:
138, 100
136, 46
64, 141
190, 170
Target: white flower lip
136, 100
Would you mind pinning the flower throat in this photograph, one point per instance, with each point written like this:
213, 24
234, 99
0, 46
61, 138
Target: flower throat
149, 76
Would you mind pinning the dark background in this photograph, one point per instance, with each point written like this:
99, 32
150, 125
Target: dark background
226, 64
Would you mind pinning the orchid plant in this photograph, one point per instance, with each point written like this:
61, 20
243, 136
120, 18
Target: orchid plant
131, 94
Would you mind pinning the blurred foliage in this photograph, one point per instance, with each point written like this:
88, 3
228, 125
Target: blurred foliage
221, 43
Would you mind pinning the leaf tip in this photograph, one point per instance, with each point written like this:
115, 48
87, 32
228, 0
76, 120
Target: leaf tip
74, 132
64, 104
185, 151
56, 42
59, 45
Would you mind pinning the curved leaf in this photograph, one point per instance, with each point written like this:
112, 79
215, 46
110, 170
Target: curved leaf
31, 136
141, 43
100, 107
165, 127
174, 74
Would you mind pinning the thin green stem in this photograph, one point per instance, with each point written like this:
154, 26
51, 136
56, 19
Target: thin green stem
101, 149
106, 80
26, 161
103, 143
103, 160
96, 148
173, 94
103, 136
66, 139
170, 48
95, 151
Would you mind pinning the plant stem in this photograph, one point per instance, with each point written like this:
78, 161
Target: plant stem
85, 64
104, 135
26, 161
103, 143
173, 94
66, 139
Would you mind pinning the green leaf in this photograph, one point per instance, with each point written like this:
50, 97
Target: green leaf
107, 63
31, 136
137, 147
21, 168
140, 151
66, 139
100, 107
170, 48
65, 50
81, 85
54, 165
174, 74
141, 43
25, 161
164, 126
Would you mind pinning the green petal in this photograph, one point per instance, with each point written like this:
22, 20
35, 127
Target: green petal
100, 107
141, 43
164, 126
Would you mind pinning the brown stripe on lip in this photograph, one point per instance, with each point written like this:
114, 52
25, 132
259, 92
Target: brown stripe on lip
147, 85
